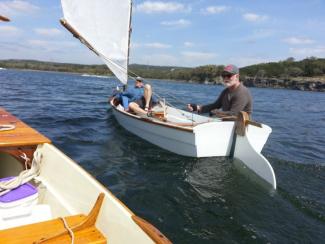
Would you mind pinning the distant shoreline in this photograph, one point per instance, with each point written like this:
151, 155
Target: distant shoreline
299, 83
198, 75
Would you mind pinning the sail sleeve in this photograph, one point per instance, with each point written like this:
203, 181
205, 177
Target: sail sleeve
105, 25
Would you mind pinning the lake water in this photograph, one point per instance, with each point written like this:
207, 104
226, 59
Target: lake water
190, 200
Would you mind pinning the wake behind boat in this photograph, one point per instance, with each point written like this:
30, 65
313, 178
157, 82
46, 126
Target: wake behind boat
54, 199
173, 129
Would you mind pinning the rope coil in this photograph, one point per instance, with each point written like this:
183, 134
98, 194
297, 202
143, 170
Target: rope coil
7, 127
24, 176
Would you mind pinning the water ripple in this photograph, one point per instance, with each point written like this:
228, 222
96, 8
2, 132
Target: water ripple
191, 200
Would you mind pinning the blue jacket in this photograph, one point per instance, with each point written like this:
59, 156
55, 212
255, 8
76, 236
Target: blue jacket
130, 95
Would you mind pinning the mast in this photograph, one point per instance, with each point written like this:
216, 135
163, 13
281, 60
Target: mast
130, 31
129, 42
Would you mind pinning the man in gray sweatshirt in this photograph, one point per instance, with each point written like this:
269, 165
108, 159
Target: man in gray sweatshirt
235, 98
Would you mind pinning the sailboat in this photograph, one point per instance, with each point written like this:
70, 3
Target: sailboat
104, 26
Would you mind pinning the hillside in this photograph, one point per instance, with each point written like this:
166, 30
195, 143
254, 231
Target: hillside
307, 74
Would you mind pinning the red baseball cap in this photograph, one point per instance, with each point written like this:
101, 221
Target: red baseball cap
231, 69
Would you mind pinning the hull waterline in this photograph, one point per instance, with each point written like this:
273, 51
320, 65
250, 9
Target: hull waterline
206, 138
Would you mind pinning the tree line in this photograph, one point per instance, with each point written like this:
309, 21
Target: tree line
289, 68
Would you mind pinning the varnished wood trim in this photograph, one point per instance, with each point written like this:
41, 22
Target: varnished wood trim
151, 231
21, 135
3, 18
248, 121
17, 152
89, 221
150, 121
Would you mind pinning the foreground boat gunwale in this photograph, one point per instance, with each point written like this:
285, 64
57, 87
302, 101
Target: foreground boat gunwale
140, 228
17, 136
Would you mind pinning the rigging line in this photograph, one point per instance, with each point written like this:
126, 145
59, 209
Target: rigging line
174, 97
112, 62
156, 94
122, 69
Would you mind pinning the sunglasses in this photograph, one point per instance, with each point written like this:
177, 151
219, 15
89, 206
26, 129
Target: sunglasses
227, 76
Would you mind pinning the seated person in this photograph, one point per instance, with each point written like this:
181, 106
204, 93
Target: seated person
136, 99
233, 99
131, 94
145, 103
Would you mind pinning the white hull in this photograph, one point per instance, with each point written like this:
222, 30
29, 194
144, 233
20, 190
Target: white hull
205, 137
68, 190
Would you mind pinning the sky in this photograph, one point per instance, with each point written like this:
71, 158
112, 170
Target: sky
176, 33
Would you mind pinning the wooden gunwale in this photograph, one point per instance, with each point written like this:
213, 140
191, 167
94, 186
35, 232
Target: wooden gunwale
21, 140
24, 139
150, 121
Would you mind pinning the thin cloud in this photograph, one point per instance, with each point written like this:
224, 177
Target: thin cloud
157, 59
157, 45
252, 17
214, 10
17, 7
198, 58
189, 44
204, 55
51, 46
258, 35
308, 51
181, 23
150, 7
48, 31
298, 40
249, 60
8, 30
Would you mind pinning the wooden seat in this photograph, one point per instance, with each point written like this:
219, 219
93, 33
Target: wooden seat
35, 232
54, 231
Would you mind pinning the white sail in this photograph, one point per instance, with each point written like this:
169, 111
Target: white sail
105, 25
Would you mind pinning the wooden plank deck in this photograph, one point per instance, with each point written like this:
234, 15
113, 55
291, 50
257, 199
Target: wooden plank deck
22, 135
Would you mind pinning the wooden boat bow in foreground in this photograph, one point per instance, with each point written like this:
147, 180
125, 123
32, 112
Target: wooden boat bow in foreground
51, 207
